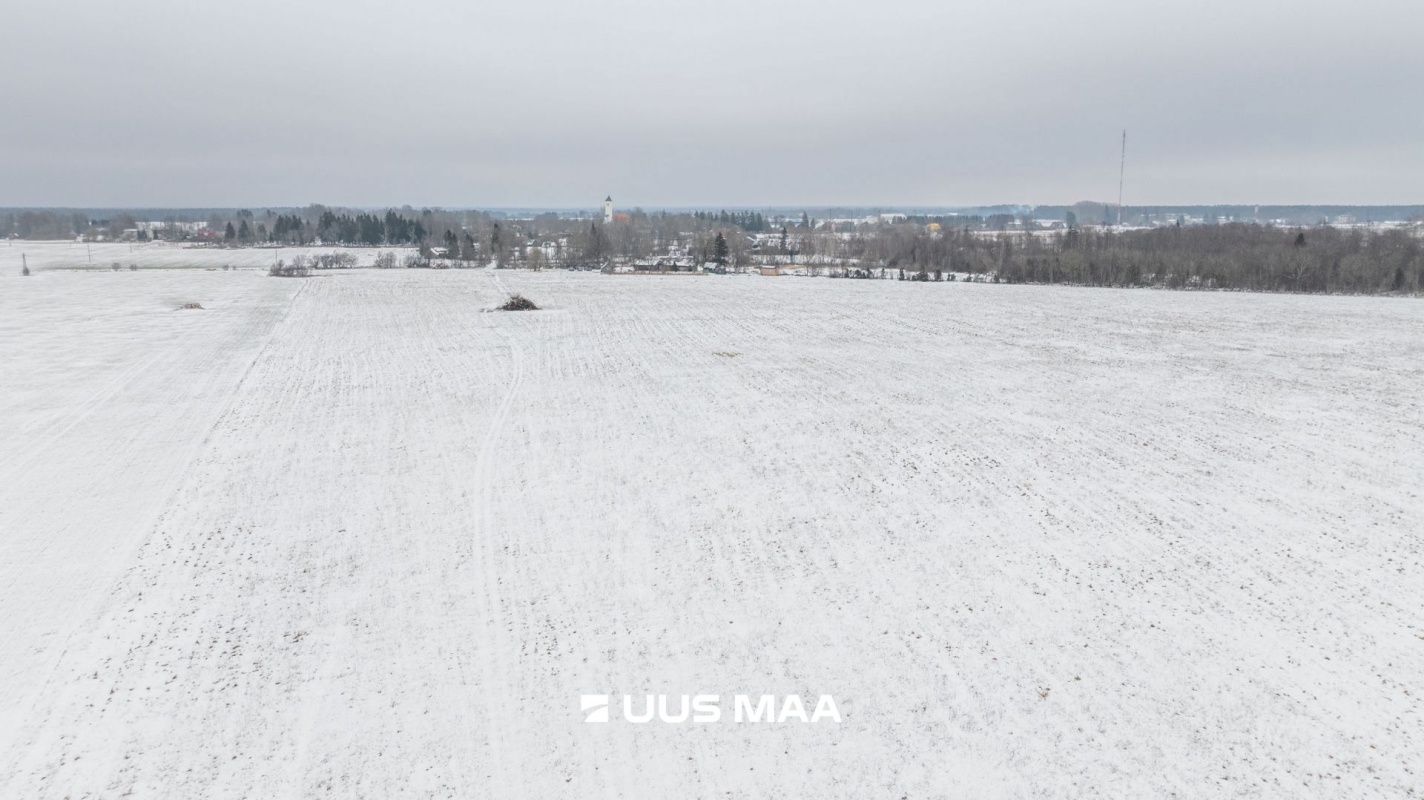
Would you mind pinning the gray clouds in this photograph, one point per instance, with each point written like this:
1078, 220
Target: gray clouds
556, 102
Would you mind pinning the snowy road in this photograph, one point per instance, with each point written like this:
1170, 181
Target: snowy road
349, 536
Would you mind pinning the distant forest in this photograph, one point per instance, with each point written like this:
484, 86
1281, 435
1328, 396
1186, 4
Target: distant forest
1234, 256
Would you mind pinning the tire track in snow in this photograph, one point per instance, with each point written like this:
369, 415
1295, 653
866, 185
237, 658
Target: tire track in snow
496, 686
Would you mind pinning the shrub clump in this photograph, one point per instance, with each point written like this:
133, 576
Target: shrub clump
518, 302
297, 269
338, 260
188, 306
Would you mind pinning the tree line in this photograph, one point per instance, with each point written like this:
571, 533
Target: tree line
749, 221
332, 228
1233, 256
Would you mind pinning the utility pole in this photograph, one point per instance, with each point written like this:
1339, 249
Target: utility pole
1121, 176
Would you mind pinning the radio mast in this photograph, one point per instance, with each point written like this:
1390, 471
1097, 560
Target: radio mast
1121, 175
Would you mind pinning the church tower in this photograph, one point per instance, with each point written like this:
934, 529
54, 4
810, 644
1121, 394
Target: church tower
608, 211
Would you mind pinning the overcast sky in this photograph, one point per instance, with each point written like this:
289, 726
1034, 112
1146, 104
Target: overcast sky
730, 103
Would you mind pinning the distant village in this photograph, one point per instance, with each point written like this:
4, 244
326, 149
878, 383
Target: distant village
273, 226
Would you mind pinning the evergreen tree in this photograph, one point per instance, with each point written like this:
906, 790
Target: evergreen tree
371, 231
230, 233
719, 249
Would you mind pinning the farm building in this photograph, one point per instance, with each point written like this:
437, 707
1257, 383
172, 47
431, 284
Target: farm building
666, 266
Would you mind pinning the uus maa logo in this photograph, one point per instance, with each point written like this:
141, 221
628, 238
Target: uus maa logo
707, 708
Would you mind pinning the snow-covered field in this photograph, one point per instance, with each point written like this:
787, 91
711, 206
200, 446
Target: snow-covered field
162, 255
349, 536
